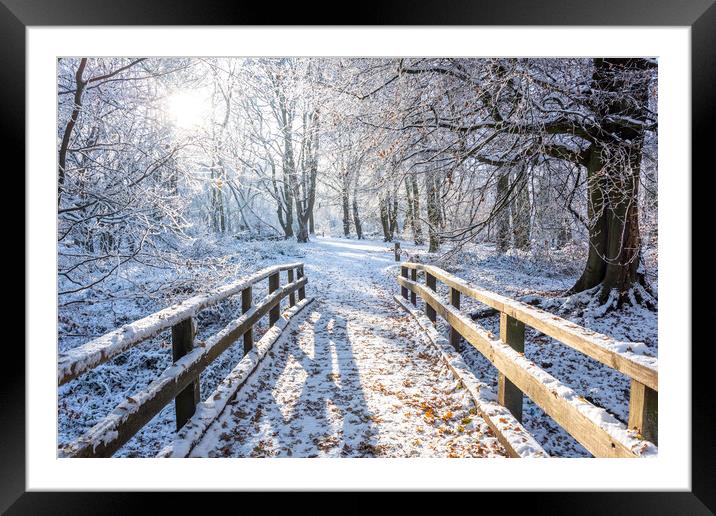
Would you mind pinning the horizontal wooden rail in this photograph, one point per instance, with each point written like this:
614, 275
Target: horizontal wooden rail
597, 430
114, 430
79, 360
208, 411
600, 347
509, 431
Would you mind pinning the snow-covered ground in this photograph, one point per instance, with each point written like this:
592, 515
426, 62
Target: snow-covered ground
135, 292
523, 275
356, 379
355, 376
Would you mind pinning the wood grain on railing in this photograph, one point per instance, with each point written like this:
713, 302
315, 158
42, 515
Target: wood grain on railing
180, 381
595, 345
597, 430
78, 361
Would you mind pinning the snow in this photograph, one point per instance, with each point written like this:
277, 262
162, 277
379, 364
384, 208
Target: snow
495, 349
208, 410
529, 276
550, 323
354, 375
134, 293
202, 349
354, 380
83, 358
519, 440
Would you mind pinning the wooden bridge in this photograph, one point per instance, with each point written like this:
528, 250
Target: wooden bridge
600, 433
597, 430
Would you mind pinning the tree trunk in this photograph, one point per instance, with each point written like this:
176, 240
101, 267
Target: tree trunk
345, 204
306, 191
504, 229
595, 267
356, 219
417, 226
283, 210
385, 219
614, 241
613, 169
64, 145
285, 119
564, 234
409, 203
521, 212
219, 216
302, 235
431, 194
393, 214
288, 207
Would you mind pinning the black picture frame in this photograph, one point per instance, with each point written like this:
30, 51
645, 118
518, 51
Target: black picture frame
700, 15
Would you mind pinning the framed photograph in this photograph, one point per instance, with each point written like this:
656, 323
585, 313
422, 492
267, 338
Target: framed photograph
382, 256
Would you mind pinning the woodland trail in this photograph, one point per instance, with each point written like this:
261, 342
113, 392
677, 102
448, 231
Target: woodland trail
353, 377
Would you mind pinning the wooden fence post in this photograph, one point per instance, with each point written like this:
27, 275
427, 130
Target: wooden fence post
274, 313
182, 343
643, 411
404, 290
397, 251
292, 295
413, 295
432, 284
512, 333
246, 302
302, 290
455, 336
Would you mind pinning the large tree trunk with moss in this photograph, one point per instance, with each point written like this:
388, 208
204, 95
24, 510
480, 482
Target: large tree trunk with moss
613, 168
614, 240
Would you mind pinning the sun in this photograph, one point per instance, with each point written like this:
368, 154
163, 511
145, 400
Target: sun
188, 109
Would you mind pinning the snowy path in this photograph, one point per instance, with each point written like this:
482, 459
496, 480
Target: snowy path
354, 378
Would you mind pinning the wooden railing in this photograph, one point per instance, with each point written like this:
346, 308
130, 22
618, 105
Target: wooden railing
180, 381
597, 430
